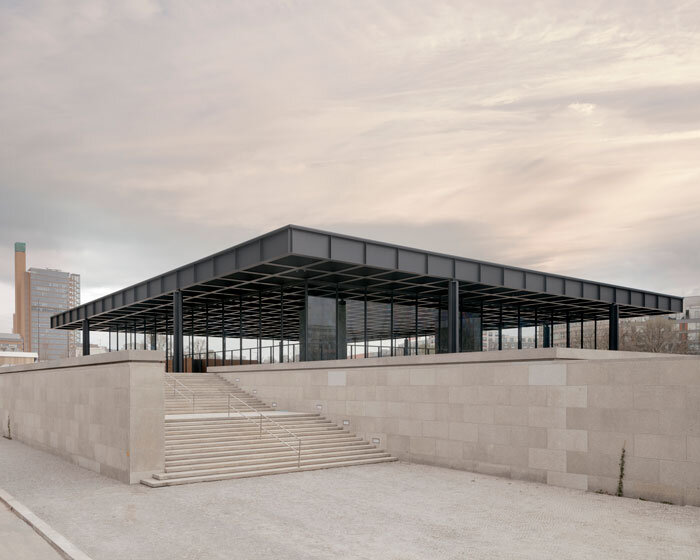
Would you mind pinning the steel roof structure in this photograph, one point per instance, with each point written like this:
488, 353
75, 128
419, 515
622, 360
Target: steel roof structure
253, 284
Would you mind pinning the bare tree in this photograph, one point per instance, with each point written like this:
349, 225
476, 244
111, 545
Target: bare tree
657, 334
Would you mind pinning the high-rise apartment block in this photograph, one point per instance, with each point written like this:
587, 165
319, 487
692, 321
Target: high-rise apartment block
39, 294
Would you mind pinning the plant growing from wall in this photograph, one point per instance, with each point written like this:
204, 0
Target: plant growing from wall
622, 471
9, 431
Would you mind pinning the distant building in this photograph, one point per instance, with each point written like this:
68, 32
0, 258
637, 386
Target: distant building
10, 342
689, 323
39, 294
14, 358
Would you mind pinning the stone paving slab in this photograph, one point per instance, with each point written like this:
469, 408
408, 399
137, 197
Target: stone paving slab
212, 415
392, 511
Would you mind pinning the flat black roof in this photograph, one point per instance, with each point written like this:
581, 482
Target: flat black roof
255, 271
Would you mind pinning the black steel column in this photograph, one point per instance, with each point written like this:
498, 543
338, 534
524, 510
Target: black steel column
568, 330
391, 325
365, 328
117, 341
282, 324
86, 337
520, 331
337, 325
581, 330
439, 332
595, 334
260, 327
416, 324
535, 327
453, 316
167, 340
206, 331
178, 334
304, 347
145, 333
223, 333
240, 329
109, 344
154, 342
192, 339
551, 330
500, 327
481, 326
614, 328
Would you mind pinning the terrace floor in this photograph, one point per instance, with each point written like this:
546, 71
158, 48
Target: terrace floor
388, 511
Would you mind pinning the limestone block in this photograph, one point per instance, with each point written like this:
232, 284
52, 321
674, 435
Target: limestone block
608, 419
493, 470
376, 409
659, 398
493, 394
547, 374
422, 376
423, 445
569, 440
450, 449
491, 433
463, 431
642, 470
511, 415
693, 449
660, 447
398, 409
422, 411
515, 374
568, 480
594, 464
568, 396
611, 396
547, 417
436, 429
410, 427
478, 414
547, 459
610, 443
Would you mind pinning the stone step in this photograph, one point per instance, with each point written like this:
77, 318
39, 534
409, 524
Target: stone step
250, 436
176, 433
207, 458
253, 432
264, 460
154, 483
250, 447
219, 445
280, 464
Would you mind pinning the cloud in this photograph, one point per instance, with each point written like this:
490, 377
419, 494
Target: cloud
143, 135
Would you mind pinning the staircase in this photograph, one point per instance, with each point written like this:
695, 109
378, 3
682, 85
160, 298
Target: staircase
209, 445
210, 394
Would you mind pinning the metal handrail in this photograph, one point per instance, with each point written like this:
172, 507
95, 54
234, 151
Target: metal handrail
176, 390
250, 419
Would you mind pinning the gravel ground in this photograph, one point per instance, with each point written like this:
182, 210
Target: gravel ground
18, 540
390, 511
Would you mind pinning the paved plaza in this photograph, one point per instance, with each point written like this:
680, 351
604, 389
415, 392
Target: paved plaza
394, 510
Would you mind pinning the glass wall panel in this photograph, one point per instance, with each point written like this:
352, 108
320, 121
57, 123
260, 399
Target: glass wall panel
321, 330
470, 332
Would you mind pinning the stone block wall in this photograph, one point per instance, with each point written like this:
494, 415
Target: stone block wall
561, 420
102, 412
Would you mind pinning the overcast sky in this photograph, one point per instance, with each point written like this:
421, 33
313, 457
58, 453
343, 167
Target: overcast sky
563, 137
